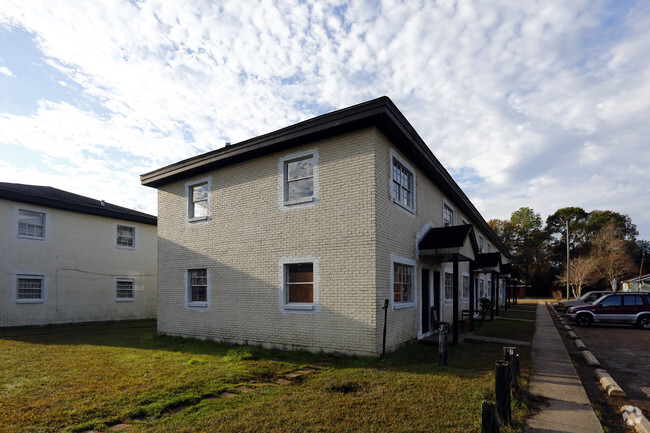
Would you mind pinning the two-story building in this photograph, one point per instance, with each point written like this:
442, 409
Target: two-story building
68, 258
298, 238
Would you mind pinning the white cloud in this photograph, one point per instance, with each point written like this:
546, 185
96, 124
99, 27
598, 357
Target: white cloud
533, 99
5, 71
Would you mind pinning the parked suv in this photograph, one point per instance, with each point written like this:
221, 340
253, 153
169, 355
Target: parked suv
632, 308
587, 298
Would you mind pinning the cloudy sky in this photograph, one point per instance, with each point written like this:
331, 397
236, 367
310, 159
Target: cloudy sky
543, 104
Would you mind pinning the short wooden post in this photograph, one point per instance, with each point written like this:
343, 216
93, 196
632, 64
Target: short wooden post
489, 418
510, 355
502, 391
442, 345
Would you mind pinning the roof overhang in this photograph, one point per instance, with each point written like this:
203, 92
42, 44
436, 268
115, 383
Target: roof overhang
449, 242
488, 262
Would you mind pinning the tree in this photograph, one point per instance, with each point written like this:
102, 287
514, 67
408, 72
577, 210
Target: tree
613, 256
583, 272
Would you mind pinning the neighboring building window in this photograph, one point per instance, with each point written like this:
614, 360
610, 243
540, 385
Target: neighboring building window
402, 283
480, 244
481, 288
299, 180
125, 236
197, 286
447, 216
402, 185
31, 224
465, 287
197, 200
124, 290
449, 286
29, 288
489, 248
299, 283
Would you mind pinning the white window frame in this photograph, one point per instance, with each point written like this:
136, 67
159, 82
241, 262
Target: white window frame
190, 199
448, 299
298, 307
44, 215
395, 259
465, 277
203, 305
28, 275
452, 210
119, 280
285, 204
480, 244
117, 237
395, 157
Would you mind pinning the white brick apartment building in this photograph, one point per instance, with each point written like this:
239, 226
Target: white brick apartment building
295, 239
67, 258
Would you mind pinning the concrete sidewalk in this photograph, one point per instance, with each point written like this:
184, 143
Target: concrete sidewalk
567, 408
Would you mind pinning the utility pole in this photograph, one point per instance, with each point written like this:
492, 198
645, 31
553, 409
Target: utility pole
567, 258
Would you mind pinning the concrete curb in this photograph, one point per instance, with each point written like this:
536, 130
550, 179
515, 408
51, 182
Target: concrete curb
567, 327
609, 384
580, 344
572, 335
590, 358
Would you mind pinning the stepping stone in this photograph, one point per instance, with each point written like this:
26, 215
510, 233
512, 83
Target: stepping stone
228, 395
283, 382
261, 384
306, 370
244, 389
321, 365
294, 374
119, 427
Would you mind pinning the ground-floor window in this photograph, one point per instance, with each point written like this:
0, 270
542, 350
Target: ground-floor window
402, 283
29, 288
197, 287
124, 290
465, 287
299, 283
449, 286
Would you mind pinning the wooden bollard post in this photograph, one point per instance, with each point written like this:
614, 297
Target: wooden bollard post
442, 345
510, 355
502, 390
489, 418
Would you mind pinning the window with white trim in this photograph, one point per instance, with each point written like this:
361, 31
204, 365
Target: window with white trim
481, 288
447, 215
198, 204
480, 244
125, 236
31, 224
29, 288
449, 286
402, 185
465, 287
402, 283
197, 286
299, 180
124, 289
299, 283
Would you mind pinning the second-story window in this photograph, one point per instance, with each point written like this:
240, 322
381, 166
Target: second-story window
299, 180
402, 185
198, 200
31, 224
447, 216
125, 236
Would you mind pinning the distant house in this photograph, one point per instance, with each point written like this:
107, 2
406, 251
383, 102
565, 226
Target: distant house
68, 258
296, 239
632, 285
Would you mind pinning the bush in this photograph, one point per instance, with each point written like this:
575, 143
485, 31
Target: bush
484, 307
557, 294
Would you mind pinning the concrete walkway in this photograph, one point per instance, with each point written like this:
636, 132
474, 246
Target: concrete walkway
566, 407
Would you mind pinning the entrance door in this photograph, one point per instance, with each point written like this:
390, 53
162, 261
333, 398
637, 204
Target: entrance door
436, 293
426, 301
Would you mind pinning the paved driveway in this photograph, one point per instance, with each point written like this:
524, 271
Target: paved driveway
624, 351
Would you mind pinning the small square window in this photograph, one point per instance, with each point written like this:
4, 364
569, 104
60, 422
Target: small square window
402, 283
125, 236
299, 180
402, 185
31, 224
197, 201
124, 290
299, 283
29, 288
197, 286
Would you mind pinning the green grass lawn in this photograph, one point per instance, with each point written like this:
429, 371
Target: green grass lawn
78, 377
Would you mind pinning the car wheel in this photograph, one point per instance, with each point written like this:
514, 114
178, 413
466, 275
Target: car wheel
583, 320
644, 322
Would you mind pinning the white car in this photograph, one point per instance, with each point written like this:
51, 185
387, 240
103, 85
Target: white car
586, 299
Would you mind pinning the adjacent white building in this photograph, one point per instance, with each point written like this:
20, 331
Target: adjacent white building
67, 258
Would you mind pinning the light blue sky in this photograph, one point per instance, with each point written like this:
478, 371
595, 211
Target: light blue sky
539, 104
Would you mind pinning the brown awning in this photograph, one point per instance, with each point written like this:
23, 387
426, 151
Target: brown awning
444, 242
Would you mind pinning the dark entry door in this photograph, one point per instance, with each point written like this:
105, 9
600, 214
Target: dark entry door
436, 293
426, 301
